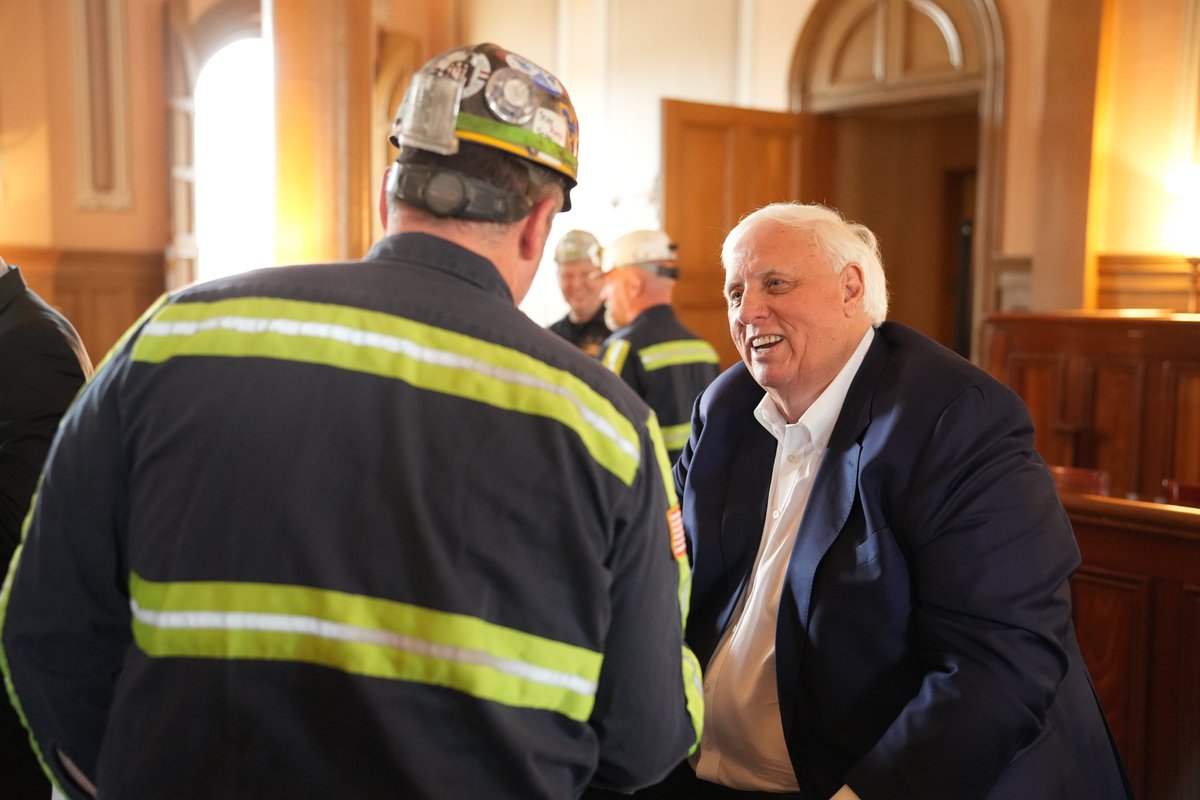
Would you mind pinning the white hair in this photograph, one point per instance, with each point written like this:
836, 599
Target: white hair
843, 242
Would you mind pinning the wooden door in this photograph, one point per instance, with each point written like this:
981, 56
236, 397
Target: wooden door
719, 164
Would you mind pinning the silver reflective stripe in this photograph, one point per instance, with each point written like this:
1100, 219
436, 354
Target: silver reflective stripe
336, 631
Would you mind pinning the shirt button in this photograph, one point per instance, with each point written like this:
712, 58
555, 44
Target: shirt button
791, 459
775, 515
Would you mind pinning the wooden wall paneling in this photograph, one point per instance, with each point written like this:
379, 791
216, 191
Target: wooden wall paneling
38, 265
1181, 390
103, 293
1172, 766
1042, 382
1112, 411
1187, 752
1139, 577
1128, 398
1111, 610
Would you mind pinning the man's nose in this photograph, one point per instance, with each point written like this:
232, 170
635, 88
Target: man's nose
751, 308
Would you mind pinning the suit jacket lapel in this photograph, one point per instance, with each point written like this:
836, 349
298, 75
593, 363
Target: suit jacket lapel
751, 466
836, 485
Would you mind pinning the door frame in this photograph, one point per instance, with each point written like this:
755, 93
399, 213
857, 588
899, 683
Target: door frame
987, 86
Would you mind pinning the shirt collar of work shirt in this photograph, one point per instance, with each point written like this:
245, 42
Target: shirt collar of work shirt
815, 424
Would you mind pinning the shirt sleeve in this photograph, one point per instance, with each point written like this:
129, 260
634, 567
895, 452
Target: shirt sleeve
649, 705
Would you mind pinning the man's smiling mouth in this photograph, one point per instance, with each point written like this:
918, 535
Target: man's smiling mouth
764, 342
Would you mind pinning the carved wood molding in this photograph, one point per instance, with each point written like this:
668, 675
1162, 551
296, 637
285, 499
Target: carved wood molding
886, 51
101, 104
1144, 281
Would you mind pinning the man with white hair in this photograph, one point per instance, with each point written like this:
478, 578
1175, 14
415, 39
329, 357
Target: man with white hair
880, 558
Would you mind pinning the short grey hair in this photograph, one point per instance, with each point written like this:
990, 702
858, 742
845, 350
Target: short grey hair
842, 241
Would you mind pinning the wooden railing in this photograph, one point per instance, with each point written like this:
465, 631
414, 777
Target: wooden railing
1137, 615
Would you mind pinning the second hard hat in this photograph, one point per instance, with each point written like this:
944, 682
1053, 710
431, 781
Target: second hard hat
578, 245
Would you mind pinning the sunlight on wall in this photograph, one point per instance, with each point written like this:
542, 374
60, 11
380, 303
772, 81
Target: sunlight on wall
1182, 225
235, 160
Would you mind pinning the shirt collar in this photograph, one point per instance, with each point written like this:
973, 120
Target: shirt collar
442, 255
821, 416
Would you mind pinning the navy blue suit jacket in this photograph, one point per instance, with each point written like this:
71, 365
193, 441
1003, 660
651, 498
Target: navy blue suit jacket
924, 646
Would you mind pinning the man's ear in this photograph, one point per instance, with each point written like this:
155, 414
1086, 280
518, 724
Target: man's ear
383, 191
852, 287
636, 281
535, 228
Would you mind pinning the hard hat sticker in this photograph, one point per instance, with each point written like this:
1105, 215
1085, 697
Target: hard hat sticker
550, 124
470, 69
540, 76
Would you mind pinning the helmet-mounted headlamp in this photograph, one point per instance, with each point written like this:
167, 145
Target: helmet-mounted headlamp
448, 193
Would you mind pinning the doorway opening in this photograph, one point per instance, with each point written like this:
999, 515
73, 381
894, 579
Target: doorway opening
235, 160
908, 173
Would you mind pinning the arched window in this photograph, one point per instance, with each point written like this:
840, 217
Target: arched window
235, 164
192, 44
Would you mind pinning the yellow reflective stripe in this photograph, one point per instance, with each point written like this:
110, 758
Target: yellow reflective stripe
664, 465
421, 355
676, 436
614, 357
364, 636
693, 690
116, 348
681, 351
693, 687
660, 455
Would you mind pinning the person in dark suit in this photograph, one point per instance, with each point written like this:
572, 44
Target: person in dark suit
880, 591
42, 365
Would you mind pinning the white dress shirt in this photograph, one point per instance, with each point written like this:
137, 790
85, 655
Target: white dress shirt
743, 745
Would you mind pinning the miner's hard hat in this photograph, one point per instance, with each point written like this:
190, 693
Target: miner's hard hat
653, 251
578, 246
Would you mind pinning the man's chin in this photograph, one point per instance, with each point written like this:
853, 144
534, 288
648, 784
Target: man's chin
763, 373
